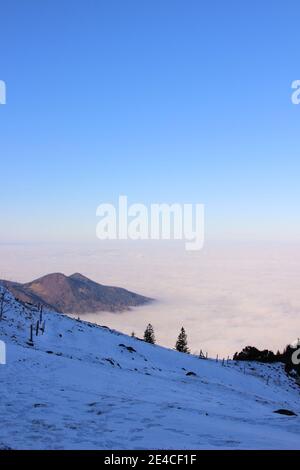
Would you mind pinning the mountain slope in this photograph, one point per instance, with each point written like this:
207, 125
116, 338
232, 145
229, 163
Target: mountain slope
81, 386
74, 294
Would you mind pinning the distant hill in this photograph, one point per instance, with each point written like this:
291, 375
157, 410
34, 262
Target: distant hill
74, 294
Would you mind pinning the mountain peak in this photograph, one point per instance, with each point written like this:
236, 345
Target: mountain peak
51, 276
79, 277
75, 294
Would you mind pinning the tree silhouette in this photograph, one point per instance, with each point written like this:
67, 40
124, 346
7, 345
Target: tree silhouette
181, 343
149, 334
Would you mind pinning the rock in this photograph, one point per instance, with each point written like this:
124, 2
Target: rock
285, 412
129, 348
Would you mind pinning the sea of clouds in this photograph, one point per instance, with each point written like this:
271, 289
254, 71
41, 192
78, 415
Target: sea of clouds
227, 296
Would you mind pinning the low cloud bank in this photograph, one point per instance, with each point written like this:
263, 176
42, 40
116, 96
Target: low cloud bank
226, 296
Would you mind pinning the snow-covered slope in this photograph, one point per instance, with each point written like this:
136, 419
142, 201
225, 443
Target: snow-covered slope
81, 386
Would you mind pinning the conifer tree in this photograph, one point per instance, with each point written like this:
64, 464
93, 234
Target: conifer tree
181, 343
149, 334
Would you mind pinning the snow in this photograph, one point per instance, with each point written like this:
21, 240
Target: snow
81, 386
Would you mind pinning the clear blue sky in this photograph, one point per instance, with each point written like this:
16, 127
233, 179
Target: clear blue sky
161, 100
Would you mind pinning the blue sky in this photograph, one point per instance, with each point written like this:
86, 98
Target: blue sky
163, 101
